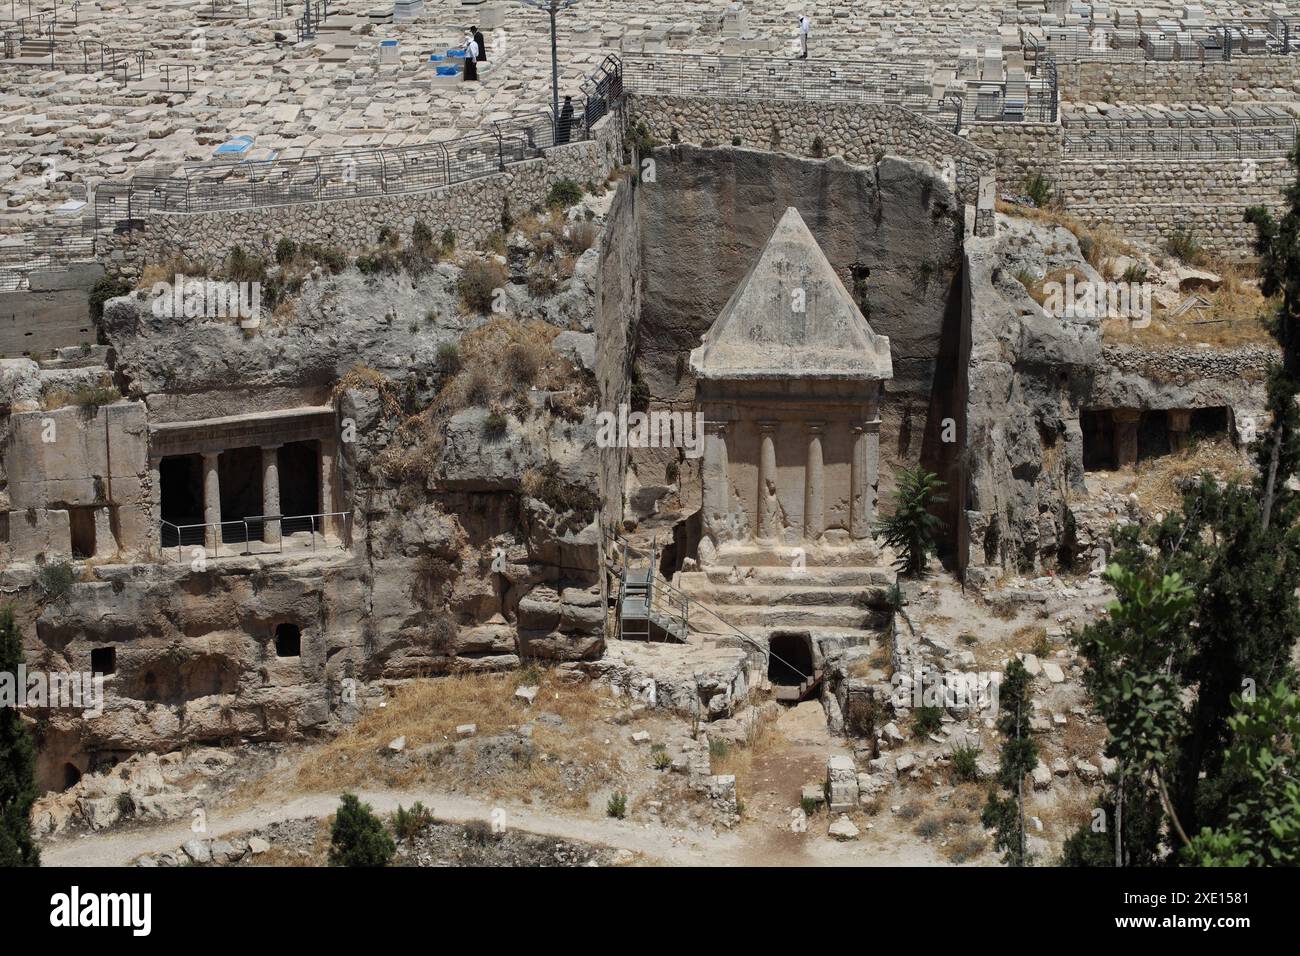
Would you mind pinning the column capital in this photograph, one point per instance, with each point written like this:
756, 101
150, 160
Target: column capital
272, 446
767, 426
716, 427
815, 427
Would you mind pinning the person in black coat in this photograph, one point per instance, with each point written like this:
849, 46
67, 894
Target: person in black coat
482, 45
565, 125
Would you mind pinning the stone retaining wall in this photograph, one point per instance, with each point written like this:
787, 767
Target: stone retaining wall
1141, 197
858, 132
1218, 82
471, 209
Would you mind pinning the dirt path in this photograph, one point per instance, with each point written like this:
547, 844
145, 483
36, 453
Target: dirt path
751, 846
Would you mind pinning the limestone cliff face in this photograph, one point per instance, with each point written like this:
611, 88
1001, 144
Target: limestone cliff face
1033, 375
473, 532
892, 231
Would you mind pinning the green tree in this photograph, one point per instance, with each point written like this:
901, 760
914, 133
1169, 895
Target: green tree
911, 529
1005, 815
17, 762
359, 837
1126, 655
1263, 826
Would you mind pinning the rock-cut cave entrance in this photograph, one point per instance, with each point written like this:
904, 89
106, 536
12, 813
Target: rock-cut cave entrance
790, 666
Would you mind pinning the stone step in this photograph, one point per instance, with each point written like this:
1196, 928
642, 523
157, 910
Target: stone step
810, 576
786, 594
865, 554
788, 617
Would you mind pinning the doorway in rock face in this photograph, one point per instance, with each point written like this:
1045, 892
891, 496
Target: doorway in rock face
300, 484
288, 640
790, 661
240, 473
71, 776
1098, 439
181, 478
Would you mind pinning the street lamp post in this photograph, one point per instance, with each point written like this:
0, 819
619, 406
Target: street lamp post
552, 7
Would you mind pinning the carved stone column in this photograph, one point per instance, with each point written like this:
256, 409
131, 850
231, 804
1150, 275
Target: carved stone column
271, 493
865, 477
328, 448
1126, 436
211, 500
814, 489
769, 510
716, 493
1180, 423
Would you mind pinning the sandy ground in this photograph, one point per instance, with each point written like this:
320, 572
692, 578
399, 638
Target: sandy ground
751, 845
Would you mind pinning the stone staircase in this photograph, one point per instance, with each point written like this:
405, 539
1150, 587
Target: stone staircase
850, 601
834, 605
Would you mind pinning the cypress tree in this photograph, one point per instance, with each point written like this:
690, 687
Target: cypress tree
17, 761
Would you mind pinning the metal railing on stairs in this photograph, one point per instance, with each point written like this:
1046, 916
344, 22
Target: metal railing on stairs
671, 597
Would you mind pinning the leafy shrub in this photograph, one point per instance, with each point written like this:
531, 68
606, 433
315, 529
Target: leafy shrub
617, 805
808, 805
478, 283
1136, 272
409, 823
1039, 190
563, 194
911, 529
926, 720
1183, 245
285, 250
105, 288
661, 760
818, 147
964, 763
125, 805
358, 837
55, 579
243, 267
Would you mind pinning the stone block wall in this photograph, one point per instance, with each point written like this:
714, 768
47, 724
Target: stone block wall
1149, 199
93, 461
855, 131
1141, 197
1217, 82
471, 209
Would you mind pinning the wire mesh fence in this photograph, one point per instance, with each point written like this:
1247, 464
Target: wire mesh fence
1167, 41
1257, 132
353, 174
914, 85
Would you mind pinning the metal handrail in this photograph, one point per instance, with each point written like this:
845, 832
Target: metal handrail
180, 529
686, 600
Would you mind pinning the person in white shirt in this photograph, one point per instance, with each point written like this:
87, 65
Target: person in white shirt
805, 25
471, 58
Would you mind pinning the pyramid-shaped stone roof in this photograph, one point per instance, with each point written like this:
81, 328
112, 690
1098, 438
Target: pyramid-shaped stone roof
791, 317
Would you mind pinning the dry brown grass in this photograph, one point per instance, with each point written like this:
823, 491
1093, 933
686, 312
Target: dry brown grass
499, 362
1234, 318
1067, 811
364, 377
168, 270
427, 713
762, 737
1157, 481
316, 855
1100, 246
1083, 740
